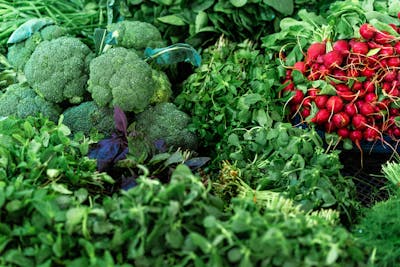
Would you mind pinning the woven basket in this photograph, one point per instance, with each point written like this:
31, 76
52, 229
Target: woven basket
369, 180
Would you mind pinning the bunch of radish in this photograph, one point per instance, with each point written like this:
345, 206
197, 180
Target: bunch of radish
363, 78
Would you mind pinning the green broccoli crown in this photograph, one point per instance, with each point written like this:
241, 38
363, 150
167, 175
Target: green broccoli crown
88, 117
19, 53
22, 101
136, 34
163, 90
166, 122
58, 69
120, 78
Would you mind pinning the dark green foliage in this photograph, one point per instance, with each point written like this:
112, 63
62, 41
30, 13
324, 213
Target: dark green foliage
379, 228
177, 224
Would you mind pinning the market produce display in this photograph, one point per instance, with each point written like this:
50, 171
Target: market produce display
198, 133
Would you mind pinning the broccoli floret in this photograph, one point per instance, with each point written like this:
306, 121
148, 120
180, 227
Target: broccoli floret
88, 117
163, 91
58, 69
120, 78
166, 122
136, 34
19, 53
22, 101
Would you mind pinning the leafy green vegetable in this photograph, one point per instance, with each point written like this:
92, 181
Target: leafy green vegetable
177, 224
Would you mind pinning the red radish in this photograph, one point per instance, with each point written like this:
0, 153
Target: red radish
383, 37
368, 72
390, 76
342, 46
342, 87
371, 134
329, 126
350, 109
369, 86
289, 74
397, 47
297, 97
352, 72
320, 101
357, 86
321, 116
387, 87
367, 31
394, 27
300, 66
393, 62
386, 51
359, 122
343, 132
332, 59
339, 74
360, 48
305, 113
334, 104
306, 102
341, 119
347, 95
315, 50
367, 109
289, 86
313, 92
370, 97
396, 131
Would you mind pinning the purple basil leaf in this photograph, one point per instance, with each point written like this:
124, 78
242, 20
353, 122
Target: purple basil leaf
121, 122
195, 163
105, 152
128, 183
122, 154
160, 145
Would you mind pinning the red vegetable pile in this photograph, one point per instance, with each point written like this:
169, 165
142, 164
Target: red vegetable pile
361, 92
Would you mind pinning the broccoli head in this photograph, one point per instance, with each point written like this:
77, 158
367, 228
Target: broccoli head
22, 101
19, 53
136, 34
88, 117
119, 77
163, 91
166, 122
58, 69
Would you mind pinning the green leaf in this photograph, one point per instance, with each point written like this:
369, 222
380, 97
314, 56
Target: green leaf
74, 216
233, 140
373, 51
174, 238
201, 21
285, 7
60, 188
238, 3
27, 29
201, 242
172, 54
172, 20
262, 118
